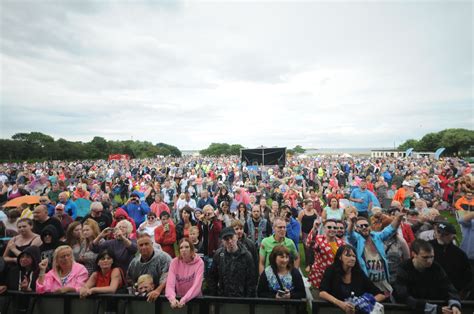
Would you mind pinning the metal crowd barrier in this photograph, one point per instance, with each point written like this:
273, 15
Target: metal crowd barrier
14, 302
323, 307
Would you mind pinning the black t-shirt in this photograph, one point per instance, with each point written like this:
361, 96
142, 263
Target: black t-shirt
332, 283
104, 220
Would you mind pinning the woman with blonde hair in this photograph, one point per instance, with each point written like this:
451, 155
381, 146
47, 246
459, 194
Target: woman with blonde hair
184, 275
65, 276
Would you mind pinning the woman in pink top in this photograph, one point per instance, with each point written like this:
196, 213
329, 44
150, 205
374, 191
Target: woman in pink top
65, 276
184, 275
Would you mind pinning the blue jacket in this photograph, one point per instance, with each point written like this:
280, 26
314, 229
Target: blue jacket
293, 230
358, 241
203, 202
467, 244
70, 208
137, 211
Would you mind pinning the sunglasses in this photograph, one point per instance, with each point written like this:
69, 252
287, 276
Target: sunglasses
151, 217
363, 226
332, 228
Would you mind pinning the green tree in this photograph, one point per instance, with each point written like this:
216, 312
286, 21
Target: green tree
411, 143
430, 142
220, 149
457, 141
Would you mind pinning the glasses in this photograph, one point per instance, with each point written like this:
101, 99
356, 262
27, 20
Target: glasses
151, 217
43, 201
120, 218
332, 227
340, 228
363, 226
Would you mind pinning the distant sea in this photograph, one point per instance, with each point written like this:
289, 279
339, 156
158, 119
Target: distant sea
322, 151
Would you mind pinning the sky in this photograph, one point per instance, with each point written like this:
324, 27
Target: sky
272, 73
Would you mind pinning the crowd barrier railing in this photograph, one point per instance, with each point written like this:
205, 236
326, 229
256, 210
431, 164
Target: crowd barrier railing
14, 302
323, 307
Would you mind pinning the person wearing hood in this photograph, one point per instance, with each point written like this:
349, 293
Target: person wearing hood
136, 209
185, 275
22, 277
119, 215
50, 239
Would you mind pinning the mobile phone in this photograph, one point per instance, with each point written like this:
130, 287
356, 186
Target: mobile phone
281, 293
110, 229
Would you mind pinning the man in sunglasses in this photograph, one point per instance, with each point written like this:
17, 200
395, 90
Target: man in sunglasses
370, 249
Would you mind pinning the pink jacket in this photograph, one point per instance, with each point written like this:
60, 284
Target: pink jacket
184, 279
76, 279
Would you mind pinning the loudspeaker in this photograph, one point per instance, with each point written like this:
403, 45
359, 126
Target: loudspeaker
264, 156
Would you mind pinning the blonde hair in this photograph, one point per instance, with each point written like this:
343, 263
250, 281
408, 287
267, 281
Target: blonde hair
94, 227
55, 257
144, 278
194, 228
376, 210
127, 223
207, 207
349, 210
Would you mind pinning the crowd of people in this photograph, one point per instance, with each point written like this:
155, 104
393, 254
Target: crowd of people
358, 230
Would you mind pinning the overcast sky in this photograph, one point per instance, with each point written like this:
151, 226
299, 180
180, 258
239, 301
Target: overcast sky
318, 74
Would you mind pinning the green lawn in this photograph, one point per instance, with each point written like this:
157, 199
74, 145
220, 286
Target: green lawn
452, 219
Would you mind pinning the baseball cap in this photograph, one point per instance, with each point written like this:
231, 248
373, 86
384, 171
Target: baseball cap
446, 227
227, 231
408, 183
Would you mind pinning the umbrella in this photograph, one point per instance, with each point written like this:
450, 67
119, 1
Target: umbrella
83, 207
28, 199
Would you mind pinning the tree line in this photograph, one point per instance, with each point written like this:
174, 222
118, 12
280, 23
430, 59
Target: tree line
458, 142
36, 146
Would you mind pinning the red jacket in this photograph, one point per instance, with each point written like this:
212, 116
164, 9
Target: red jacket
121, 212
407, 233
213, 232
166, 238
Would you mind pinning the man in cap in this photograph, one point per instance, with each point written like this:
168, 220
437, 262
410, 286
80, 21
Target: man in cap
453, 260
232, 272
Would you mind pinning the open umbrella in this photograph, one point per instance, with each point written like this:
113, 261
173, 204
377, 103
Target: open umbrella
28, 199
83, 207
